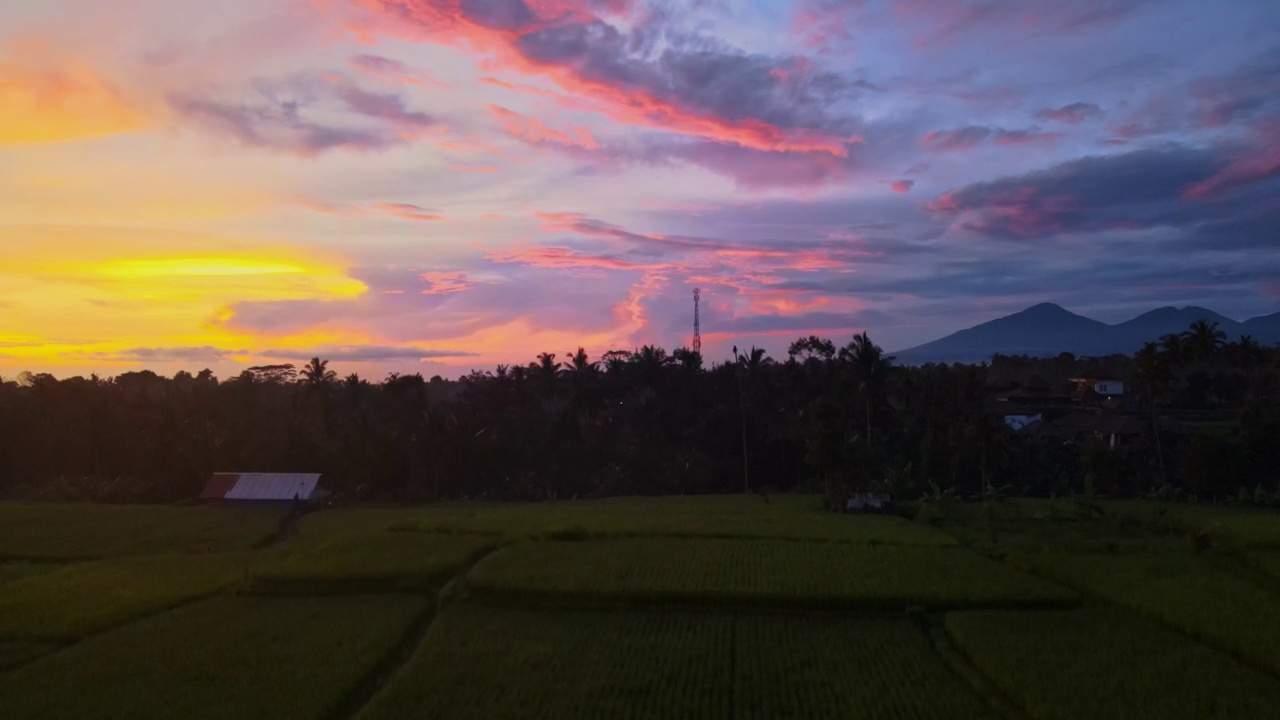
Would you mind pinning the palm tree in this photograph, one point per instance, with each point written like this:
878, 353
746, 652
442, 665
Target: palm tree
870, 370
1174, 347
580, 364
317, 375
1204, 339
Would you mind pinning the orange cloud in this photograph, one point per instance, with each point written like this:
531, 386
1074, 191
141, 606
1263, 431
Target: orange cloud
59, 103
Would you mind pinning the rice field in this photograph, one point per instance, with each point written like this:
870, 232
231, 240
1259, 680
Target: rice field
20, 569
81, 531
636, 608
18, 652
1189, 593
1108, 665
81, 599
1241, 526
508, 663
787, 517
785, 574
249, 659
388, 561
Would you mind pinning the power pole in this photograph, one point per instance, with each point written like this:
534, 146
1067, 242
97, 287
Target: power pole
697, 324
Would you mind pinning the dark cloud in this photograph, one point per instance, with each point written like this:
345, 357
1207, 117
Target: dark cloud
1249, 93
1133, 190
1072, 114
695, 72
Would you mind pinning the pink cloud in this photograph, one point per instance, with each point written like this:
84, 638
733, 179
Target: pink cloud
1240, 173
403, 211
567, 43
536, 132
902, 186
394, 71
957, 139
1072, 114
1025, 137
445, 283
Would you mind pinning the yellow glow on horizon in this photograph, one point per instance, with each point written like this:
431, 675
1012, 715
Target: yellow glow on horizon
198, 267
83, 297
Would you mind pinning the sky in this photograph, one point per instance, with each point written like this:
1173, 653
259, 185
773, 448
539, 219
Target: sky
436, 186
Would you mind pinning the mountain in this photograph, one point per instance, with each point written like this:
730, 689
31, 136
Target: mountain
1047, 329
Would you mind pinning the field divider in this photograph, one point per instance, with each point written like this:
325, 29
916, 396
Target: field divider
381, 675
63, 644
1092, 596
959, 663
528, 598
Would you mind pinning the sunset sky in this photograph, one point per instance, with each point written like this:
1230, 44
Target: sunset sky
438, 185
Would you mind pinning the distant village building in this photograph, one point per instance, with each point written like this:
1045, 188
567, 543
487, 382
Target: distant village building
263, 487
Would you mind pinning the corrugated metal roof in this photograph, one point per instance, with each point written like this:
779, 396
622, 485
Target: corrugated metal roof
219, 485
262, 486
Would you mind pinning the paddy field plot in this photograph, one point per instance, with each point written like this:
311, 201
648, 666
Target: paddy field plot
84, 598
41, 531
783, 517
17, 652
249, 659
22, 568
1108, 665
489, 663
371, 562
786, 574
1190, 593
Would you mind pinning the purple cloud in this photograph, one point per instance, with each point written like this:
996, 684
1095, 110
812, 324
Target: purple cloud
279, 115
1072, 114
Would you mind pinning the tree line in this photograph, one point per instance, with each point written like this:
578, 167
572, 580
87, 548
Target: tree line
829, 418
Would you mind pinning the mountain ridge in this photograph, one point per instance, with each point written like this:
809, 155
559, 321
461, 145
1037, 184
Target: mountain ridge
1047, 329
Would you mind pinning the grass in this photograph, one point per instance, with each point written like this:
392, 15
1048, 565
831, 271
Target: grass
714, 571
1105, 665
787, 517
366, 563
1191, 593
85, 598
486, 663
250, 659
51, 532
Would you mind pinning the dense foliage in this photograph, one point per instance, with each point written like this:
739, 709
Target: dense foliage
649, 422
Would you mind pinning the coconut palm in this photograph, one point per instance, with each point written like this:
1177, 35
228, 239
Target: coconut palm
316, 374
870, 372
1174, 346
1204, 339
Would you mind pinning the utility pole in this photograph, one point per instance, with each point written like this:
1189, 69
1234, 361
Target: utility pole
742, 408
697, 325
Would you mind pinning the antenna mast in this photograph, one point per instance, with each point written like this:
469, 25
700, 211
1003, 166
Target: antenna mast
697, 325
